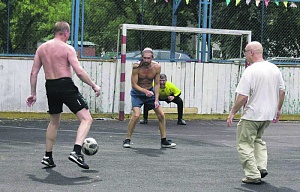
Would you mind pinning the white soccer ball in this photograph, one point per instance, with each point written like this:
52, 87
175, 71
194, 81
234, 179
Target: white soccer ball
90, 146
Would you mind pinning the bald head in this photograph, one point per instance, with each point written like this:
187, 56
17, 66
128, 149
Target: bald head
254, 46
254, 52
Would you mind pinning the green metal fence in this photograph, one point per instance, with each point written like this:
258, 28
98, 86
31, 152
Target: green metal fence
25, 24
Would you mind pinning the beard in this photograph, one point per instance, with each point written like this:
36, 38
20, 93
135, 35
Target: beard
146, 64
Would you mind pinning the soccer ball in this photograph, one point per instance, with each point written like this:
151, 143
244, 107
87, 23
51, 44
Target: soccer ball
90, 146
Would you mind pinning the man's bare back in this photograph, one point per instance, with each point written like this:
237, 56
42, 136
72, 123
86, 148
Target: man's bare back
54, 57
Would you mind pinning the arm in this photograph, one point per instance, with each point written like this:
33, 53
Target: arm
37, 64
80, 72
280, 103
240, 101
175, 91
157, 84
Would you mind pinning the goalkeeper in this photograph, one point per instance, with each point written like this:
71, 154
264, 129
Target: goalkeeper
168, 92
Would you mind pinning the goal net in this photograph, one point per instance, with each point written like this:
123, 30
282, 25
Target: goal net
179, 44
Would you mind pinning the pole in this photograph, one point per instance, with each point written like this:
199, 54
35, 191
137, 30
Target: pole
8, 28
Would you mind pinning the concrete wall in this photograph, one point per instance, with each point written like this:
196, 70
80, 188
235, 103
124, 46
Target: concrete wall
209, 87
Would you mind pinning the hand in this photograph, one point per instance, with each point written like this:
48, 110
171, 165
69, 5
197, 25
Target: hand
156, 104
149, 93
229, 119
277, 117
30, 100
97, 90
171, 98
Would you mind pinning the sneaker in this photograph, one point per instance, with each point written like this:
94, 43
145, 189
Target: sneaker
248, 180
48, 162
78, 159
181, 122
263, 173
144, 121
168, 144
126, 143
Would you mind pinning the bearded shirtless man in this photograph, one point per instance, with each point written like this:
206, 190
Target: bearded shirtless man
56, 57
142, 92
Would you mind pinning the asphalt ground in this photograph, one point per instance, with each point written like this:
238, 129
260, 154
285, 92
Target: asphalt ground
205, 158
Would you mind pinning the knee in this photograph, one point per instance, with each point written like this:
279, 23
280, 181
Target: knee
89, 120
161, 115
135, 117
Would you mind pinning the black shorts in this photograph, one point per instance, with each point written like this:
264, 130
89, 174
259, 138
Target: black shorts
63, 91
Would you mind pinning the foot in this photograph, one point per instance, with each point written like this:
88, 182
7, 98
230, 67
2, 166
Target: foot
48, 162
248, 180
181, 122
78, 159
126, 143
263, 173
168, 144
144, 121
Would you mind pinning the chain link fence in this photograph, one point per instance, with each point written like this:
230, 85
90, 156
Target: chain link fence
25, 25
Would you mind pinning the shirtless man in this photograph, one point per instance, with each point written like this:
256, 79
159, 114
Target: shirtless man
57, 58
142, 92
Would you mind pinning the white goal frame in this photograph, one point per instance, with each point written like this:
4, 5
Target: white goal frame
125, 27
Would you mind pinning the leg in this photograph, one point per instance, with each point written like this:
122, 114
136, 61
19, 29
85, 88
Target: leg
161, 120
52, 131
260, 150
134, 119
246, 135
86, 121
51, 135
162, 127
145, 114
179, 103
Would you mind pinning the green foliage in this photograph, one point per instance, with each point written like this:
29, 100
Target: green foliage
30, 22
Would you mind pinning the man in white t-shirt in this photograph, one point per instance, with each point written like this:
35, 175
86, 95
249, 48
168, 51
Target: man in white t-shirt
261, 93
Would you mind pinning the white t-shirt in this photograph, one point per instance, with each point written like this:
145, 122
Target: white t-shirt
261, 82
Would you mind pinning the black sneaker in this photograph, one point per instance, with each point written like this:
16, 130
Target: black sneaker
126, 143
78, 159
263, 173
48, 162
144, 121
168, 144
181, 122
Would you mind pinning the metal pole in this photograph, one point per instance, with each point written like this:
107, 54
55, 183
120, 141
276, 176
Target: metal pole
82, 28
262, 21
122, 77
76, 31
204, 36
8, 27
72, 26
142, 21
199, 34
173, 34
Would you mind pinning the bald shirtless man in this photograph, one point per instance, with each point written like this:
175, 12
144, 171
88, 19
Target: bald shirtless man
143, 75
57, 58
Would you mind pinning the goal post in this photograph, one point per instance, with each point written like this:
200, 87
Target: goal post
125, 27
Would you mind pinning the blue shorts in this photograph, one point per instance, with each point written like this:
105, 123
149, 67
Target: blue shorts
139, 98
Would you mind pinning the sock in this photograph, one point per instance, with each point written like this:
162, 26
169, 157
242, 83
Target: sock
163, 139
48, 154
77, 149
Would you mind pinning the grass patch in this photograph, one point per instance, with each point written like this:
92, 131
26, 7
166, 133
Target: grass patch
71, 116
